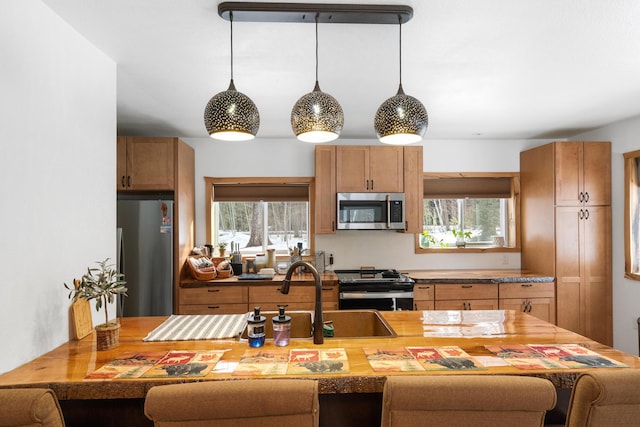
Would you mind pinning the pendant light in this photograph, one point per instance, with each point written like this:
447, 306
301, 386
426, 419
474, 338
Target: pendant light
231, 115
401, 119
317, 117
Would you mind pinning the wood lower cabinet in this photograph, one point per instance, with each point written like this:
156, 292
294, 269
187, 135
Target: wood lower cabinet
536, 299
269, 297
330, 296
423, 296
214, 300
584, 291
482, 296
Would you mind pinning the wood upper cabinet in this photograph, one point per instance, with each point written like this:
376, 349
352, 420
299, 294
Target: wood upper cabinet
363, 168
145, 164
566, 230
413, 189
583, 173
325, 189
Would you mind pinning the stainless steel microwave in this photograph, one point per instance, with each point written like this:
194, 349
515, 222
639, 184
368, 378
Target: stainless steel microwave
371, 211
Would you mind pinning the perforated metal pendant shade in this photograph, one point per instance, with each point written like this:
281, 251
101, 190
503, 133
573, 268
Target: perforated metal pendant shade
317, 117
401, 119
231, 116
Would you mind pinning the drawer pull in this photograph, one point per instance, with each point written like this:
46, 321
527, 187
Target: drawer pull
467, 286
213, 290
213, 307
527, 285
327, 289
424, 287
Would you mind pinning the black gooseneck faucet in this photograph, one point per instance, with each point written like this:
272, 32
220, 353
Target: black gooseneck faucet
318, 337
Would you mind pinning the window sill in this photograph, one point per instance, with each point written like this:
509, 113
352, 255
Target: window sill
466, 249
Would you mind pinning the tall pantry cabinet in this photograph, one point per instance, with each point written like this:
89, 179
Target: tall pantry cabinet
566, 230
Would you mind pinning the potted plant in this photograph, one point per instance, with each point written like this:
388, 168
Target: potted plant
461, 237
101, 284
427, 239
222, 246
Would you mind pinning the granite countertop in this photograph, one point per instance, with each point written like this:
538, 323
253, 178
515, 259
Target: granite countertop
477, 276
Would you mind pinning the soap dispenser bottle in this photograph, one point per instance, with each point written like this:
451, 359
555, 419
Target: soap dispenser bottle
281, 328
255, 328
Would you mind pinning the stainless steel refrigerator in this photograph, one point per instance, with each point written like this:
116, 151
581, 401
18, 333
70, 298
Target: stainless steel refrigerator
145, 256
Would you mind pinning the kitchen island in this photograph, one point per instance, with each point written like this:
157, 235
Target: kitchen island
65, 368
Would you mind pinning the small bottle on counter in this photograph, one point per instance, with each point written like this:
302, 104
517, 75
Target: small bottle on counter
271, 258
281, 328
255, 328
261, 262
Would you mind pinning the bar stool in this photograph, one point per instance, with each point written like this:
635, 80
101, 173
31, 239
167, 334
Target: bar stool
466, 400
30, 407
258, 402
607, 397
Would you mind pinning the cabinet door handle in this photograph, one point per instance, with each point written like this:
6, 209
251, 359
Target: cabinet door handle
524, 306
129, 181
122, 181
586, 214
333, 226
586, 197
213, 307
581, 214
367, 184
213, 290
415, 306
581, 197
467, 286
468, 306
371, 184
530, 306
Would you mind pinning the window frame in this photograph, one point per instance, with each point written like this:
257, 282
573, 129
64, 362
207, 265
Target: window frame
631, 189
211, 182
513, 215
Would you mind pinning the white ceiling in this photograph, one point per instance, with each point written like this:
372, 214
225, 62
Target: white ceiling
483, 69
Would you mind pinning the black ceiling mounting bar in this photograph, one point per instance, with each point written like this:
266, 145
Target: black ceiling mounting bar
306, 12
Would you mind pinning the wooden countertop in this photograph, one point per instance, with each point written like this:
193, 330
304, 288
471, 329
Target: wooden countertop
477, 276
65, 368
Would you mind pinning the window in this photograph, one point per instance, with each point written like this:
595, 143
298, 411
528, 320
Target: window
471, 210
632, 215
259, 213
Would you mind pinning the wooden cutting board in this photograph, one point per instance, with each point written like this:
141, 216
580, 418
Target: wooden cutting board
81, 316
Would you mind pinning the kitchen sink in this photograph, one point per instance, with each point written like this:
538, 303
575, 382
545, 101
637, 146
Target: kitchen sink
346, 323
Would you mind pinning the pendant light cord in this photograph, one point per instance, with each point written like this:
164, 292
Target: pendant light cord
317, 15
400, 47
231, 38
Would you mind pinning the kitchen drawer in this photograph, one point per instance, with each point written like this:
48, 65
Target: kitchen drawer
466, 291
527, 290
423, 292
271, 293
213, 308
214, 294
473, 304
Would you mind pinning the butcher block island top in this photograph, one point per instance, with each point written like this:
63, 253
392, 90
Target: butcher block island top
65, 369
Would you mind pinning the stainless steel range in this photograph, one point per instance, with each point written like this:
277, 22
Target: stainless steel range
386, 290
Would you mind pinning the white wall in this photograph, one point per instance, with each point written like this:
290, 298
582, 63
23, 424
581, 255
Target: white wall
624, 137
351, 249
57, 173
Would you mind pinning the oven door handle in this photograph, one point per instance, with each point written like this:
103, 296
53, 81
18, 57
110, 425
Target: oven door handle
388, 211
375, 295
